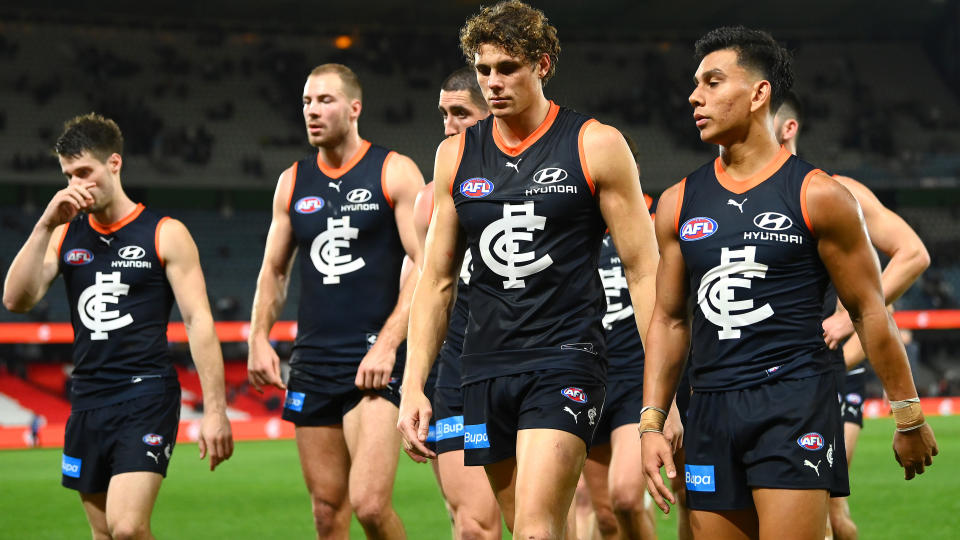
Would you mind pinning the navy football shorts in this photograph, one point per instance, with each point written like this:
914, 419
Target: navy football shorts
448, 412
495, 409
851, 399
315, 401
622, 405
131, 436
783, 435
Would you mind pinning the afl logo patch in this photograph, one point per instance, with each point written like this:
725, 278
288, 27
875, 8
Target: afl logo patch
854, 399
78, 257
811, 441
131, 253
476, 188
359, 195
697, 228
308, 205
772, 221
574, 394
550, 175
153, 439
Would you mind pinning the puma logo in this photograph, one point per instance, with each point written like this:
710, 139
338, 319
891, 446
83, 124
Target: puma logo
739, 205
106, 240
516, 166
573, 414
336, 185
816, 467
156, 457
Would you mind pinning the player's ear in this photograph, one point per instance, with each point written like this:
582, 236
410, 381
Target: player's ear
542, 66
761, 94
355, 108
114, 163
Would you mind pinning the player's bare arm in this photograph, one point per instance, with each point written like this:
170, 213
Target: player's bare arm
182, 267
263, 364
403, 182
36, 266
668, 340
892, 236
855, 271
429, 315
614, 171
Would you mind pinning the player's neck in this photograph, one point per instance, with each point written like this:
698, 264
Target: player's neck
744, 158
336, 156
120, 207
516, 128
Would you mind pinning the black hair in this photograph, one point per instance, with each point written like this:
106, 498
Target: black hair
756, 50
90, 132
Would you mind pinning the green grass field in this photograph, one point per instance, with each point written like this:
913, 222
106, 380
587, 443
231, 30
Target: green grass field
260, 494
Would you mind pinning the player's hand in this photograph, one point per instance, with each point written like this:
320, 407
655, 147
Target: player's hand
414, 424
376, 367
837, 328
215, 437
67, 203
673, 429
655, 453
263, 365
914, 450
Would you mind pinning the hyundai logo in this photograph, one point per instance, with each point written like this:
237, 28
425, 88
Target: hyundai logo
131, 253
772, 221
359, 195
550, 175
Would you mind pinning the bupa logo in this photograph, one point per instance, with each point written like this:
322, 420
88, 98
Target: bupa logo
359, 195
700, 478
71, 466
131, 253
550, 175
153, 439
574, 394
697, 228
294, 401
854, 399
309, 205
476, 188
475, 436
450, 428
811, 441
772, 221
78, 257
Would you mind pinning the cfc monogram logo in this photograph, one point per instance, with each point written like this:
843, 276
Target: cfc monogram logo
500, 249
92, 305
715, 295
325, 250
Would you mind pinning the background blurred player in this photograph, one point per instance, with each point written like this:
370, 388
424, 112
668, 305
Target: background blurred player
893, 237
471, 504
349, 211
123, 267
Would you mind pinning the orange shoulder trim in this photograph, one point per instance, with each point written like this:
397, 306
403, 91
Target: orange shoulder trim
676, 216
583, 156
293, 184
803, 199
156, 239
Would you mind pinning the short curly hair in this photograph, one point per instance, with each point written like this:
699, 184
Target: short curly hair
520, 30
92, 133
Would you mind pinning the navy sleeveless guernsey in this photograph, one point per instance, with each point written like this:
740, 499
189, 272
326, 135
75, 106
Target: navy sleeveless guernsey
758, 281
449, 374
533, 229
120, 303
349, 259
624, 346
